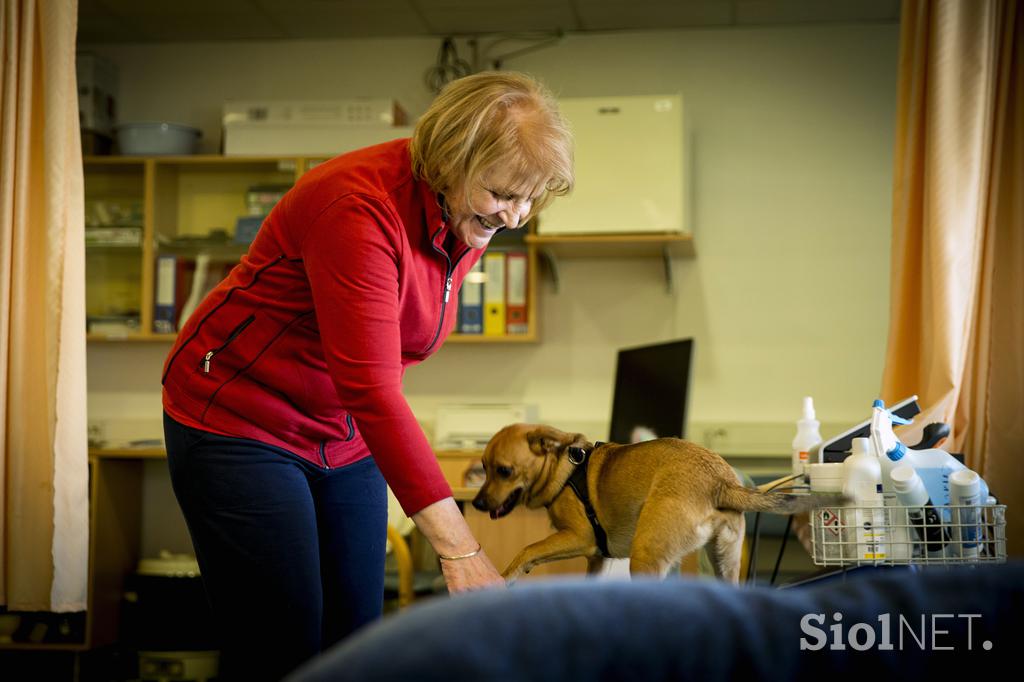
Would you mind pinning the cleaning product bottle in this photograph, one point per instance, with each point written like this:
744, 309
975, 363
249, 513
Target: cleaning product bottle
807, 436
965, 498
831, 544
891, 452
862, 483
900, 547
934, 466
995, 530
921, 513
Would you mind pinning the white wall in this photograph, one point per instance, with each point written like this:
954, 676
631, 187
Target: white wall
792, 132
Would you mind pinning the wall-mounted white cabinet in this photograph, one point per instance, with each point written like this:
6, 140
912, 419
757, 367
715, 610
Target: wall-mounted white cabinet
630, 169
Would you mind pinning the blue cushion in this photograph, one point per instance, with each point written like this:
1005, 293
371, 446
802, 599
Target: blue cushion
685, 629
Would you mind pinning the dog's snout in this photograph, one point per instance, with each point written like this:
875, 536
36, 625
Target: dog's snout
479, 504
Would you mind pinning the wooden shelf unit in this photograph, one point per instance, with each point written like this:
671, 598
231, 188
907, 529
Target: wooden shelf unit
188, 196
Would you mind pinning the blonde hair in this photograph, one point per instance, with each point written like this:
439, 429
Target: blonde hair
490, 120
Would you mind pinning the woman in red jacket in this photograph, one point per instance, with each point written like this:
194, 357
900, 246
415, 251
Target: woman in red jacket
284, 414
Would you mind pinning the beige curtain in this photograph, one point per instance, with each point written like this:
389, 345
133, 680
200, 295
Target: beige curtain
956, 333
43, 440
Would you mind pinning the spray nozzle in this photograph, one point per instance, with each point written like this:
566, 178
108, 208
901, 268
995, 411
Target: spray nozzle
885, 441
895, 419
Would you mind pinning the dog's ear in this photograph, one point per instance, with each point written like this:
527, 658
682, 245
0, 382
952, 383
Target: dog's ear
545, 440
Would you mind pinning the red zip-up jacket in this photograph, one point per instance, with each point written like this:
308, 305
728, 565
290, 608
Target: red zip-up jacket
304, 344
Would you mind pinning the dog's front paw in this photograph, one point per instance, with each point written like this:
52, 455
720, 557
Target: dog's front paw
511, 576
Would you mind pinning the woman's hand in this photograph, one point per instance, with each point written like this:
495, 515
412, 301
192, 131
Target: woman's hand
473, 573
445, 528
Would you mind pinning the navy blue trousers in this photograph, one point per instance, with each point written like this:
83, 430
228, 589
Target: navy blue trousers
291, 554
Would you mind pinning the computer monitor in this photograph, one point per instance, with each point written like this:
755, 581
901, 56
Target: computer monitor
651, 385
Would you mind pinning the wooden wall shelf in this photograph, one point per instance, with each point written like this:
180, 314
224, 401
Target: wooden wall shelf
665, 246
616, 245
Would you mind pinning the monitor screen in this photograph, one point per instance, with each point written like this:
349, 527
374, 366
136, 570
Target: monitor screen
651, 384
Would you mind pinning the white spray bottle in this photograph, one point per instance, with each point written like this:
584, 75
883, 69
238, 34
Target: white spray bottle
891, 453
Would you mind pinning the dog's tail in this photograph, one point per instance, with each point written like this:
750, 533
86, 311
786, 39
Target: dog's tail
738, 498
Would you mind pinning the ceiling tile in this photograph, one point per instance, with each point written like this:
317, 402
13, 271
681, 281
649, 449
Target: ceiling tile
173, 20
601, 15
344, 18
446, 17
191, 20
165, 8
754, 12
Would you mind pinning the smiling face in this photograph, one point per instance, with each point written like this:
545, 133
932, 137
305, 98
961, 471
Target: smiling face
496, 200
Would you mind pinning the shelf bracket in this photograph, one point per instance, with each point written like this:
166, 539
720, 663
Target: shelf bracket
548, 256
669, 275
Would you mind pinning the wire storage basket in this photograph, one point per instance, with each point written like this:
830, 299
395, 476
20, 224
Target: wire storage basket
899, 535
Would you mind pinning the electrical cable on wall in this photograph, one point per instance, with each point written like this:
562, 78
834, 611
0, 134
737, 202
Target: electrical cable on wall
449, 67
540, 40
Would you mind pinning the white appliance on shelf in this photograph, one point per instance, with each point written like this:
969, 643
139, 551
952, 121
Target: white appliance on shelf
630, 168
470, 426
310, 127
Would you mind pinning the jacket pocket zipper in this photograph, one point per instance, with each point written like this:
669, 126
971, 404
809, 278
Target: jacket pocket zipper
231, 337
351, 434
238, 372
227, 297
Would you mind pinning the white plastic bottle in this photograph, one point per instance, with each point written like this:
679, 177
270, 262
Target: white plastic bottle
862, 483
996, 530
807, 436
831, 543
965, 497
921, 513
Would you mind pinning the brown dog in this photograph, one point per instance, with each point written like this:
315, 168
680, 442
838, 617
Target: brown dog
657, 501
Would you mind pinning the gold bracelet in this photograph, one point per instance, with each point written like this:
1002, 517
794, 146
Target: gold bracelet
460, 556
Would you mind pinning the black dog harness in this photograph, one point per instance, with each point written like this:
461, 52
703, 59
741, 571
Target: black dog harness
578, 483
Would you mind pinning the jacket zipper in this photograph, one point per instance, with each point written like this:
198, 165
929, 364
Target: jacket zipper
350, 436
447, 292
231, 337
227, 298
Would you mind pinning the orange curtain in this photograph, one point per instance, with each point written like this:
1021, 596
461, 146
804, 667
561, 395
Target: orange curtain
43, 441
956, 334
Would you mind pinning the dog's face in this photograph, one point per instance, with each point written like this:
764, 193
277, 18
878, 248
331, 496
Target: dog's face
517, 461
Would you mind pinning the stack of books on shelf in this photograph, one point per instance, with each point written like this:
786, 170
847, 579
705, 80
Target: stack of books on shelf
181, 283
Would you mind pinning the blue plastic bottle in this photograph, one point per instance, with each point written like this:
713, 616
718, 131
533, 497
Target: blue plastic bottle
934, 466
